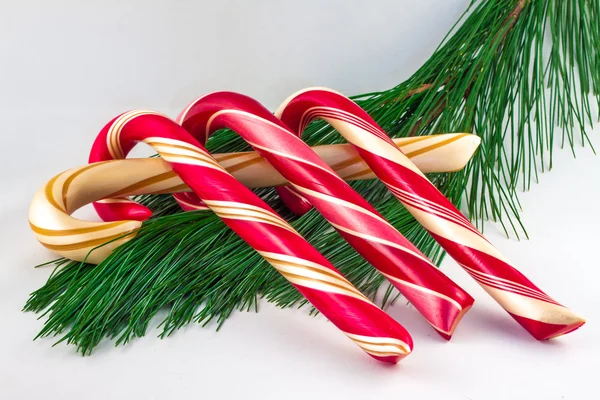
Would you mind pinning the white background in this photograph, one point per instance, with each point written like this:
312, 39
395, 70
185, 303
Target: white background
67, 67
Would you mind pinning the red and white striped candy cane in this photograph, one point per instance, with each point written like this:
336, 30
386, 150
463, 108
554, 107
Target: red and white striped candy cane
263, 229
440, 300
539, 314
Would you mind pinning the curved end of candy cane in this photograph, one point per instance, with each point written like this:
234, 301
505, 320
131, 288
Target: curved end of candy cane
447, 152
445, 313
538, 313
291, 97
469, 145
544, 330
391, 359
121, 209
70, 237
385, 349
447, 334
442, 308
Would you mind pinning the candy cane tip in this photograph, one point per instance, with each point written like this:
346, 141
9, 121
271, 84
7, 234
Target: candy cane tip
138, 214
448, 334
392, 359
544, 331
471, 143
110, 212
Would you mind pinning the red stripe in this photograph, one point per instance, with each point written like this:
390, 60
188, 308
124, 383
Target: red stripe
457, 215
426, 208
349, 118
509, 288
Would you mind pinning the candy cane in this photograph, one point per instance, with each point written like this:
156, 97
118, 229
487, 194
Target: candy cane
452, 154
440, 300
539, 314
433, 153
130, 177
264, 230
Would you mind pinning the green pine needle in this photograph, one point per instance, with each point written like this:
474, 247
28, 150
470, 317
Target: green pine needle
511, 73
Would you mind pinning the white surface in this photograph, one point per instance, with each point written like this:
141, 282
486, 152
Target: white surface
68, 67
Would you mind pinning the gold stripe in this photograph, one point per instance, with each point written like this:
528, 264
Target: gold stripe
115, 131
173, 189
117, 200
229, 156
232, 215
166, 156
184, 147
341, 284
124, 120
346, 163
401, 349
410, 140
383, 353
320, 281
369, 341
77, 231
49, 191
143, 183
69, 180
358, 174
109, 140
435, 146
218, 204
119, 124
244, 164
87, 243
329, 273
237, 205
159, 140
111, 137
224, 209
378, 343
398, 349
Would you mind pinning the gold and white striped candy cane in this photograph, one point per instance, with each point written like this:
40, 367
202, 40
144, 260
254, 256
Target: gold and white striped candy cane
110, 180
433, 153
